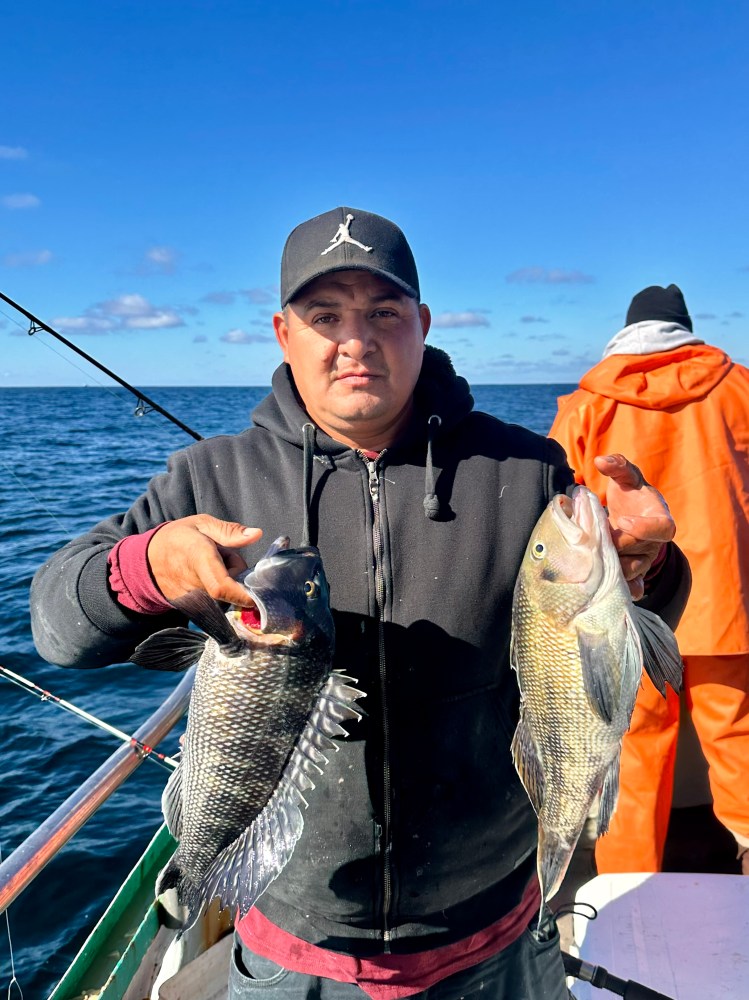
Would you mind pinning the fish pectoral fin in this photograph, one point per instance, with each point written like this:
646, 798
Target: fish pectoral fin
171, 803
528, 764
609, 795
600, 670
660, 651
170, 649
208, 616
631, 668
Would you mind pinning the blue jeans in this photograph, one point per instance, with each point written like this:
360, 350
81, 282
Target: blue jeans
526, 970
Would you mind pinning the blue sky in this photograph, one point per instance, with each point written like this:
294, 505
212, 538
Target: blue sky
546, 162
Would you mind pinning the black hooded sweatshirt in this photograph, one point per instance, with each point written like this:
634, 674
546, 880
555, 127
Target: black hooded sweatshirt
420, 832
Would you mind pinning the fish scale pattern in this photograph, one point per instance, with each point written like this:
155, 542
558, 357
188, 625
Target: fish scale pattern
265, 712
577, 649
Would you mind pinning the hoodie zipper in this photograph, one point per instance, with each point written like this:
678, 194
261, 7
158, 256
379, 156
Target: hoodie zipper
384, 831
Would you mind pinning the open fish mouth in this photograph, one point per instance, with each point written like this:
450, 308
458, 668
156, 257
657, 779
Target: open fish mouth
251, 618
576, 518
255, 619
278, 590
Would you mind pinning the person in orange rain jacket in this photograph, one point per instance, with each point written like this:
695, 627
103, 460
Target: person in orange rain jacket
679, 408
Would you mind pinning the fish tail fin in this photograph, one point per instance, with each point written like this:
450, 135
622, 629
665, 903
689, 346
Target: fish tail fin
188, 894
554, 854
169, 877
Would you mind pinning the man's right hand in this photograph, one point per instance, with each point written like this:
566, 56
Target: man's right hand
197, 553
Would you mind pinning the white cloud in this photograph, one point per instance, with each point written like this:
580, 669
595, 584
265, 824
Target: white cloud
32, 259
238, 336
219, 298
158, 320
549, 276
257, 296
13, 153
561, 366
21, 201
456, 320
127, 312
161, 258
84, 324
533, 319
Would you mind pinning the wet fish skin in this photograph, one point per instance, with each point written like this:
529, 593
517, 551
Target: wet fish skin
579, 645
264, 711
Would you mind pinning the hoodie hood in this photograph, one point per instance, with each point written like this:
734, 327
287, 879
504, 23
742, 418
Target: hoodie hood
649, 336
439, 392
441, 400
657, 365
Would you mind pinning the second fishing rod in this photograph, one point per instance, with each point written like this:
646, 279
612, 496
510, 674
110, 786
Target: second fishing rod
144, 403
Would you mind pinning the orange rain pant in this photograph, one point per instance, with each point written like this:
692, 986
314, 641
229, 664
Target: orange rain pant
717, 694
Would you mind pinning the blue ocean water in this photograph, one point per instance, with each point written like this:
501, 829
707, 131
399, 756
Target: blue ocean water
68, 458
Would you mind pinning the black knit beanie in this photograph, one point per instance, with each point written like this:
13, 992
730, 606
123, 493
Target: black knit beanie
655, 302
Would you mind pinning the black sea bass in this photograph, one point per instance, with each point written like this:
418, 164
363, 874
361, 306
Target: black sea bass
265, 707
579, 645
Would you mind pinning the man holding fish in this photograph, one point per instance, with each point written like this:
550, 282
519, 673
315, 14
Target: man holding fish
416, 869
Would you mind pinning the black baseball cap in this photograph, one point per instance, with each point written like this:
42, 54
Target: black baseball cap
656, 302
347, 239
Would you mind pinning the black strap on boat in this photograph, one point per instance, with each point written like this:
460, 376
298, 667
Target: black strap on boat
143, 400
597, 976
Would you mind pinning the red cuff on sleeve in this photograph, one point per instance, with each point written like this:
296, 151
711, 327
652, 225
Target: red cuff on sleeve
130, 577
657, 565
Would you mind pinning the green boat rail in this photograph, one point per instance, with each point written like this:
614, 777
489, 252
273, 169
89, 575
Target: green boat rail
114, 951
21, 867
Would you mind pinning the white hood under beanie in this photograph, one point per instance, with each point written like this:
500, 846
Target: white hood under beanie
648, 337
657, 320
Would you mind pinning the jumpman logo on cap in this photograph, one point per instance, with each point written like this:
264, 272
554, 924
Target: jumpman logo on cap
343, 236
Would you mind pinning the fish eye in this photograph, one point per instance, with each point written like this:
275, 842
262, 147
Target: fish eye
310, 589
538, 550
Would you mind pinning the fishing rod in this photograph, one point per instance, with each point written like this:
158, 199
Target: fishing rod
144, 405
142, 748
597, 976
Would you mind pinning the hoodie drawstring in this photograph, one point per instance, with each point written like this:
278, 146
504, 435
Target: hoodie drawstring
308, 434
431, 500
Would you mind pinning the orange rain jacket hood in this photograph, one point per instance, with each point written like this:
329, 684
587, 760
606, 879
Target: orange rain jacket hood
679, 409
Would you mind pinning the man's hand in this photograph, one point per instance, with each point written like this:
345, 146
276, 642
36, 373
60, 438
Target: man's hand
197, 553
639, 518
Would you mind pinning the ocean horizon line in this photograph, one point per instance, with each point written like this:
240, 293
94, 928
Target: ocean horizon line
242, 385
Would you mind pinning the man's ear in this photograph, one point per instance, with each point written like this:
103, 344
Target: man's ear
426, 319
282, 334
